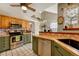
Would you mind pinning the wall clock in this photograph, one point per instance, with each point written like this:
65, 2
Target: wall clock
60, 20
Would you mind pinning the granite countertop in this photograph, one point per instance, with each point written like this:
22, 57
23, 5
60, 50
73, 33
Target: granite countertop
55, 37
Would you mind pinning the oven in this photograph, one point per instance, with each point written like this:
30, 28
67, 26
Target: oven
15, 40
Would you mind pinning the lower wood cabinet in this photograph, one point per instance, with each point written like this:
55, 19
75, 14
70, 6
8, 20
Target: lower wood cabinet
44, 47
4, 43
26, 38
23, 38
0, 44
52, 48
35, 45
59, 51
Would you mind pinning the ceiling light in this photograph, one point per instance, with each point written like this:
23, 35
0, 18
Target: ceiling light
24, 7
30, 23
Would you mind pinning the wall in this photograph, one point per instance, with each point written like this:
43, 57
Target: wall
61, 13
53, 8
50, 18
35, 27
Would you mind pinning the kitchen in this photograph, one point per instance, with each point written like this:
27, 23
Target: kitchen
41, 29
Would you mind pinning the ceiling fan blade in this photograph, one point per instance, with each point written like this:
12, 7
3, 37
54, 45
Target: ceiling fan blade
28, 3
31, 8
24, 11
15, 5
25, 4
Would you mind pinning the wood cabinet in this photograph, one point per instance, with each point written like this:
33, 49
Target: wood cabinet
52, 48
44, 47
26, 38
5, 22
40, 47
4, 43
0, 44
35, 45
59, 51
0, 22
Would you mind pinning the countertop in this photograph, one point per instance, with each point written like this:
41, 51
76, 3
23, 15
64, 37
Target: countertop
54, 37
3, 34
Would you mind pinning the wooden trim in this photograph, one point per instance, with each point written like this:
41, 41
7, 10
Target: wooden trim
71, 29
60, 33
14, 17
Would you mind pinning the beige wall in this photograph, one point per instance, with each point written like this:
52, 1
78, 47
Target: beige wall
50, 18
60, 13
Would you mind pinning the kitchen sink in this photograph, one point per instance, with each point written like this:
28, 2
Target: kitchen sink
70, 42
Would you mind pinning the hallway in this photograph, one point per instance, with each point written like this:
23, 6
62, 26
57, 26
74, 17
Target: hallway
25, 50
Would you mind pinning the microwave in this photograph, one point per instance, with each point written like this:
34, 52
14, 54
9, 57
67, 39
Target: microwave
15, 26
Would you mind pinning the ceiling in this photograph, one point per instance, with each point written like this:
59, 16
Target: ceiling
6, 9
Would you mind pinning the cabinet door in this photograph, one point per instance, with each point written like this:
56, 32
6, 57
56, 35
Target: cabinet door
44, 47
5, 43
23, 38
7, 46
28, 38
40, 47
0, 44
47, 48
5, 22
0, 22
52, 48
57, 53
61, 50
35, 45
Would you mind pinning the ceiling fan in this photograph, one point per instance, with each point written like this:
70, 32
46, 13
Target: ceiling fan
33, 16
24, 6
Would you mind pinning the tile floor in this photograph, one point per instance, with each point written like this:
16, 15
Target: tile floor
25, 50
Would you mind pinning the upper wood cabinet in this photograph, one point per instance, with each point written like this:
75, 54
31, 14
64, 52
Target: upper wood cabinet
0, 22
15, 21
5, 22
